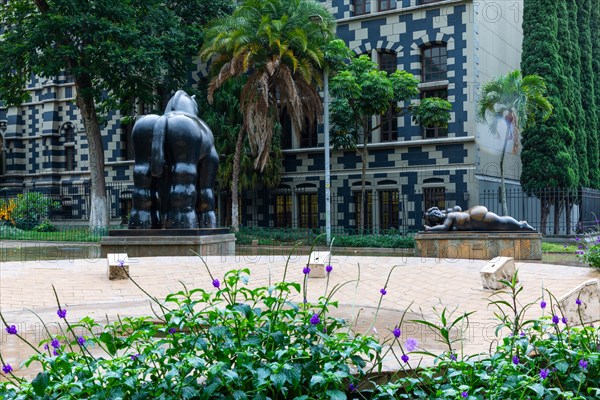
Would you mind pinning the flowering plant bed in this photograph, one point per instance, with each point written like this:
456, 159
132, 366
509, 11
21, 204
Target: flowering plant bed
589, 248
236, 341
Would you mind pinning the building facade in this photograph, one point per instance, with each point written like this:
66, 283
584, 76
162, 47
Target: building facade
451, 46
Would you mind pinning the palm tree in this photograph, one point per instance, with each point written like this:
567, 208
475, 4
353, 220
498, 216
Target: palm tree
518, 101
280, 50
225, 118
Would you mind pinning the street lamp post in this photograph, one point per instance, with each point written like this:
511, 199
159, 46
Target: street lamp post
317, 19
326, 145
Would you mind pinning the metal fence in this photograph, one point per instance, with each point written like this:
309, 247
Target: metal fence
551, 211
73, 200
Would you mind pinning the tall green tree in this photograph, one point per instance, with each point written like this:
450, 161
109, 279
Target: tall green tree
362, 91
589, 86
570, 89
569, 49
114, 50
595, 31
548, 166
572, 110
279, 45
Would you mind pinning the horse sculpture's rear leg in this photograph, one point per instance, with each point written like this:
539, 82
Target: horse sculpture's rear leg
205, 206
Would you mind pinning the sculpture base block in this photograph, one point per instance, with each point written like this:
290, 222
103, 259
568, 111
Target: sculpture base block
479, 245
165, 243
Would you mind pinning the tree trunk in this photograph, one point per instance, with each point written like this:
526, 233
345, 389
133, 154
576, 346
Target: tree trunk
558, 207
546, 203
235, 180
502, 184
98, 205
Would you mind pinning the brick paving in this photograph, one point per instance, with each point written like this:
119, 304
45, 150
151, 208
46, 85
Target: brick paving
84, 289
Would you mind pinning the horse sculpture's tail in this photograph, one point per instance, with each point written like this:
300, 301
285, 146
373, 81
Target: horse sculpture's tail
159, 132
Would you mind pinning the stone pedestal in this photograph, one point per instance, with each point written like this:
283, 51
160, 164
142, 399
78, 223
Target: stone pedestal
587, 309
497, 270
479, 245
317, 262
118, 266
158, 242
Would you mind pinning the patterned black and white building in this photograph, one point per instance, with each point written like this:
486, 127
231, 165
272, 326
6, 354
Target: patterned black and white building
451, 46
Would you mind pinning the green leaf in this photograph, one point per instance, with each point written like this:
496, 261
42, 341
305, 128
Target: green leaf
562, 366
188, 392
109, 342
317, 379
336, 395
278, 380
40, 383
239, 395
538, 388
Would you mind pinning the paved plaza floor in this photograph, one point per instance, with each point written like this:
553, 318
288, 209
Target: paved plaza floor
85, 290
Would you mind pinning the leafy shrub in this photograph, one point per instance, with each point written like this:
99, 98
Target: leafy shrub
267, 236
545, 358
45, 226
270, 236
235, 342
379, 241
589, 248
31, 210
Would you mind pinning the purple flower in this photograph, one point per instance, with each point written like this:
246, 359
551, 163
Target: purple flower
6, 368
578, 302
516, 360
543, 304
11, 330
404, 358
314, 320
564, 320
172, 330
544, 373
61, 313
351, 387
121, 263
306, 270
134, 357
396, 332
383, 291
81, 340
555, 319
328, 268
46, 346
55, 352
453, 357
465, 394
411, 344
522, 334
583, 364
216, 283
55, 343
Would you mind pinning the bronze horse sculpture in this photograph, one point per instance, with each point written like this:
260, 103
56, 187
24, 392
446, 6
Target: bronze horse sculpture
175, 169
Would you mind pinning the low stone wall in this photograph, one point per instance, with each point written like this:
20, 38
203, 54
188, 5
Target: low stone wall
153, 246
479, 245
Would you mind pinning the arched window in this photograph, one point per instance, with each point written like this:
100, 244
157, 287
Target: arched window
434, 63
